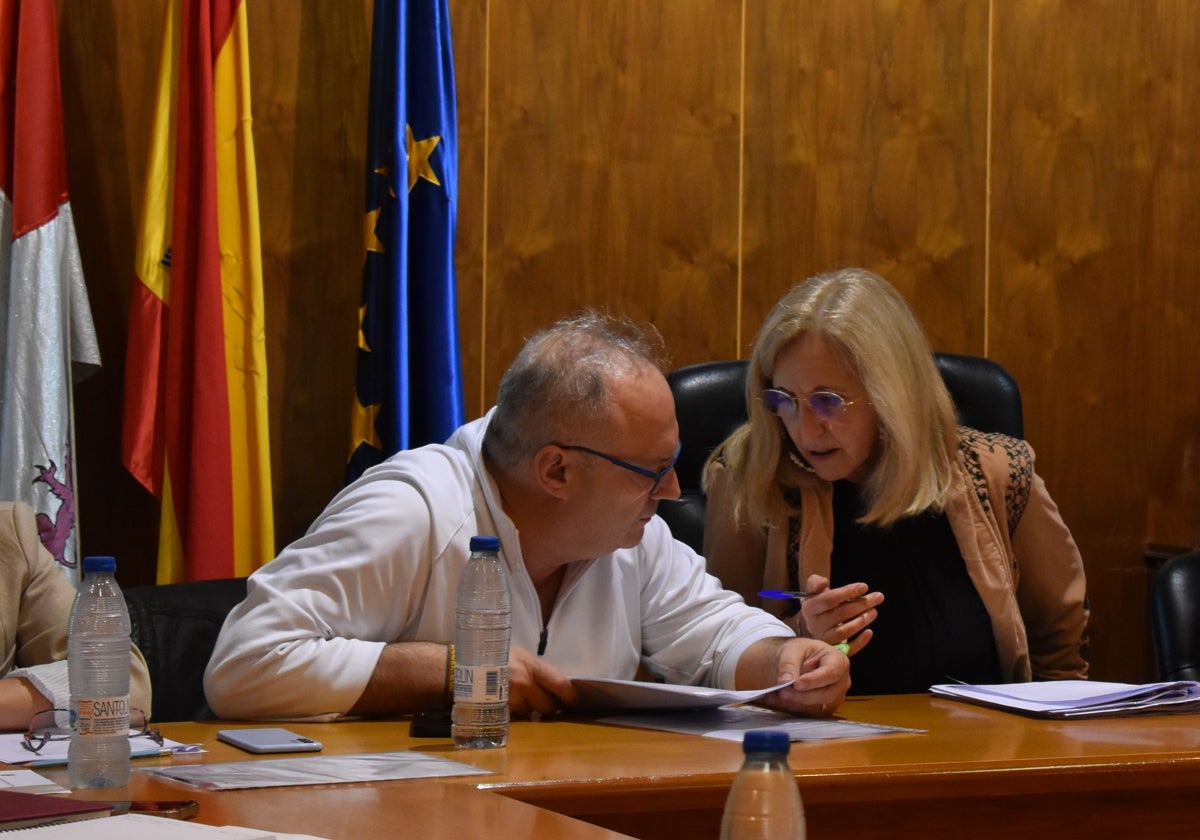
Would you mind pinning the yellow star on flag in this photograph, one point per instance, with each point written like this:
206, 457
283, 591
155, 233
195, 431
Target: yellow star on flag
362, 336
362, 425
418, 158
373, 242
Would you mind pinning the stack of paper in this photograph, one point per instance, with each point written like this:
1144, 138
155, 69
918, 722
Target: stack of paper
1079, 698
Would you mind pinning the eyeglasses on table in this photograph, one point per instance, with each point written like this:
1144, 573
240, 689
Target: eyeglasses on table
56, 725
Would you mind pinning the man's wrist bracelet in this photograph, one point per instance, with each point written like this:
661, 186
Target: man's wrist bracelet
448, 687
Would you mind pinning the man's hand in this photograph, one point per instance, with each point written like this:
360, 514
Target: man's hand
410, 677
821, 675
536, 686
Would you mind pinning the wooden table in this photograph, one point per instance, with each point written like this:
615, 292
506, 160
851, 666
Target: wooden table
975, 773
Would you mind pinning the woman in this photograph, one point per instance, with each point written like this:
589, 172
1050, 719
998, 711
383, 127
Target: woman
35, 609
852, 480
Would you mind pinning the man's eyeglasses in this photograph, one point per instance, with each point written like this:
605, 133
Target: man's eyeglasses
56, 724
824, 405
625, 465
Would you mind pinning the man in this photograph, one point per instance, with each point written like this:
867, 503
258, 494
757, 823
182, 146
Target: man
567, 470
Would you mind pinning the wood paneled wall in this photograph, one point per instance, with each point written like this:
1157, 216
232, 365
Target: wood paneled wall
1026, 172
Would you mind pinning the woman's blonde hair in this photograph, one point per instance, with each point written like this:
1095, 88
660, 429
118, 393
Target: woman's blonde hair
866, 322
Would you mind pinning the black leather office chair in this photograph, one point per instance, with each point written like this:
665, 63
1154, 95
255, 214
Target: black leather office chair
1175, 617
175, 626
710, 403
985, 394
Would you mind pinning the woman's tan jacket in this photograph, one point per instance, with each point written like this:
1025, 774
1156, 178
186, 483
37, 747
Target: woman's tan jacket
35, 609
1018, 551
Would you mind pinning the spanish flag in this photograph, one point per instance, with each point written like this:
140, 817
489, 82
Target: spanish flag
195, 425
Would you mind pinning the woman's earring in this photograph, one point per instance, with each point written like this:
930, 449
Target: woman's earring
801, 463
790, 448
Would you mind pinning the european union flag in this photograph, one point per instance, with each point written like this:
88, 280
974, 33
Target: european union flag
409, 382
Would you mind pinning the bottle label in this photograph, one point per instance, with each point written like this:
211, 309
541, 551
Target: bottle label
102, 716
481, 683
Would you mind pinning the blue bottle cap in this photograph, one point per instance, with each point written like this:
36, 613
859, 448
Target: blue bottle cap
485, 543
99, 564
766, 740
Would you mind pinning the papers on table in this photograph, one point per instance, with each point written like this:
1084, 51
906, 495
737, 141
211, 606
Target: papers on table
315, 770
609, 695
731, 723
711, 712
145, 827
1079, 698
55, 752
28, 781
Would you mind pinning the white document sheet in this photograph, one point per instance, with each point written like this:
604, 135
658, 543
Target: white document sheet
610, 695
55, 752
731, 723
145, 827
314, 770
28, 781
1079, 698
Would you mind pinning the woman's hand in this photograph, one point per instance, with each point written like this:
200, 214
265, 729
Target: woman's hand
19, 701
840, 615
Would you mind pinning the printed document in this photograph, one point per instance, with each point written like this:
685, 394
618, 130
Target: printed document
1079, 698
315, 770
731, 722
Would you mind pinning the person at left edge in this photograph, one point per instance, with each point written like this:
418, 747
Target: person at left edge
35, 609
355, 618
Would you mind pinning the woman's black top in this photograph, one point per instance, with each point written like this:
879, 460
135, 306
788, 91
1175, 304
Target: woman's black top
932, 626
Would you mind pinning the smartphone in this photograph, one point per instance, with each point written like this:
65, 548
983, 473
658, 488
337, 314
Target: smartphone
435, 724
268, 740
178, 809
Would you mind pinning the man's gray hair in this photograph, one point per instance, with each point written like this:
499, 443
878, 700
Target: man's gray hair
559, 382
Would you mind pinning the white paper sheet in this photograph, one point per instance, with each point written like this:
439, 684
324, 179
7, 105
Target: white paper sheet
144, 827
731, 723
314, 770
28, 781
608, 695
55, 752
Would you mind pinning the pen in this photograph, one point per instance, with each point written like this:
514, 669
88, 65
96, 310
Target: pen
58, 762
792, 595
145, 753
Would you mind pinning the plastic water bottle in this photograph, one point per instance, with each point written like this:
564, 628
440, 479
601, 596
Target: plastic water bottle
479, 718
98, 649
764, 802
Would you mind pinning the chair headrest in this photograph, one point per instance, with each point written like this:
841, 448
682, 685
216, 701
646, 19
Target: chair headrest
710, 403
985, 395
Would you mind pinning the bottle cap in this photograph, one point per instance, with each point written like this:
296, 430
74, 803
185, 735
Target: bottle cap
766, 740
99, 564
485, 543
